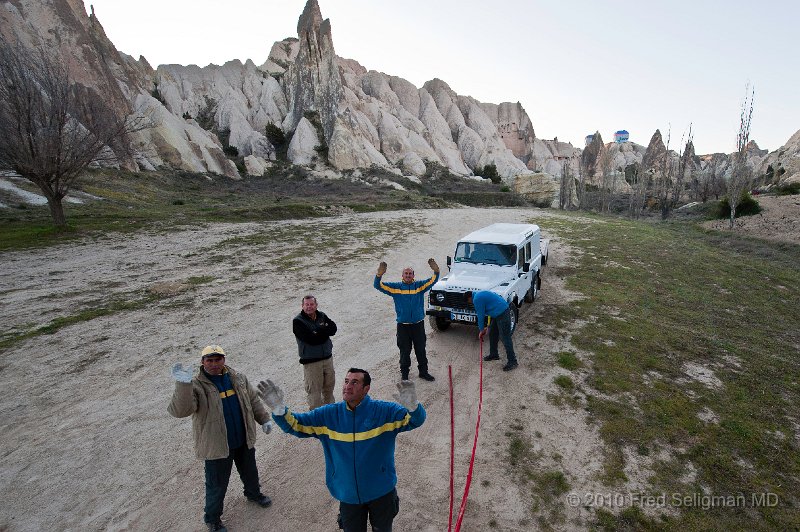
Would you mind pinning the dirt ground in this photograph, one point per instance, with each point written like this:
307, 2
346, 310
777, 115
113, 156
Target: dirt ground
779, 220
88, 444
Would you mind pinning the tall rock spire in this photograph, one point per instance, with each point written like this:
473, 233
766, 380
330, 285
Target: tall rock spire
313, 80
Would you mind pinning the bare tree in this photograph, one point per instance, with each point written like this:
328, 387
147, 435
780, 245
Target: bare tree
741, 174
684, 166
605, 162
566, 188
51, 128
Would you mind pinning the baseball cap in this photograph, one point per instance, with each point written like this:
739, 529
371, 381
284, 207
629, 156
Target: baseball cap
212, 350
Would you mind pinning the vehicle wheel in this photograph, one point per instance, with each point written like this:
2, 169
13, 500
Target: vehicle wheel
544, 260
439, 324
514, 316
530, 297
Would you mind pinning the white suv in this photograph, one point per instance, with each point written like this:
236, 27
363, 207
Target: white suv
503, 258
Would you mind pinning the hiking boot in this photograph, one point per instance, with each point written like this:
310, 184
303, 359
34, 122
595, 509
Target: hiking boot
426, 376
511, 365
261, 500
491, 357
216, 527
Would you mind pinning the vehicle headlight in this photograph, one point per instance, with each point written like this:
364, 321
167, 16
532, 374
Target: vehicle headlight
440, 297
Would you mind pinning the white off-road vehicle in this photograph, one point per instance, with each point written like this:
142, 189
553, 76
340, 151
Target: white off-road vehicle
504, 258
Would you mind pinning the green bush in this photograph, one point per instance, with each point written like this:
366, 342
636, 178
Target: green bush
488, 172
230, 151
789, 189
747, 207
275, 135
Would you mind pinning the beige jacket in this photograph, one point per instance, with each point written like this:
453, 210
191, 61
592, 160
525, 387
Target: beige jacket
200, 399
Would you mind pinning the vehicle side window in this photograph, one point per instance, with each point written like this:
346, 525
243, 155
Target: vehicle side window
521, 259
528, 252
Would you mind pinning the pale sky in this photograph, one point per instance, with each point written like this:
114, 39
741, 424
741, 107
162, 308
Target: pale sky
576, 66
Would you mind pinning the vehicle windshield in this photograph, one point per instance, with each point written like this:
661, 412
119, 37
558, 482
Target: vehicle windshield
479, 253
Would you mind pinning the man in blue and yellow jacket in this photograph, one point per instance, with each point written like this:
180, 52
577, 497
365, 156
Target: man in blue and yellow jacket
409, 305
358, 436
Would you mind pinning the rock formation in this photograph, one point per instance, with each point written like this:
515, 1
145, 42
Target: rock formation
783, 165
333, 111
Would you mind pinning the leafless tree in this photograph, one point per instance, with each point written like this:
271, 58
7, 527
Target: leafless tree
638, 182
682, 168
605, 162
567, 185
51, 128
741, 174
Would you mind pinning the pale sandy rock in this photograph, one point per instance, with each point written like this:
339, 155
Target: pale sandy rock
179, 143
439, 135
407, 95
413, 164
255, 166
784, 161
376, 84
542, 189
241, 98
281, 55
305, 139
348, 149
312, 80
625, 154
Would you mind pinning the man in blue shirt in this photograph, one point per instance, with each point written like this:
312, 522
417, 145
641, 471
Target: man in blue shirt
489, 304
409, 305
358, 439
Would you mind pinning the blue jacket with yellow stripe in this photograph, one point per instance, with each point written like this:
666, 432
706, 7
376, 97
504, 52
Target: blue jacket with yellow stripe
409, 298
358, 444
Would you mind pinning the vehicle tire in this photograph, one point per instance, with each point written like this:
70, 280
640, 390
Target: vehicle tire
544, 260
514, 316
439, 324
530, 296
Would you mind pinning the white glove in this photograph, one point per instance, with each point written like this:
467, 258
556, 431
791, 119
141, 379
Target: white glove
272, 396
267, 427
407, 395
181, 373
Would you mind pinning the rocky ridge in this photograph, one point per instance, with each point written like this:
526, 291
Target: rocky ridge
365, 117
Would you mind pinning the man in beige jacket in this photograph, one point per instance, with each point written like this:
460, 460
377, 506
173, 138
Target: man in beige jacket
225, 409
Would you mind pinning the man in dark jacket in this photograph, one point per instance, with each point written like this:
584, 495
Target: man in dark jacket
358, 439
313, 331
224, 409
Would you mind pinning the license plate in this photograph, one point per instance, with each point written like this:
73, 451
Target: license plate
463, 317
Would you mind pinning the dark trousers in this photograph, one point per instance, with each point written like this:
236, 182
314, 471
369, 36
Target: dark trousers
218, 473
409, 334
381, 512
501, 329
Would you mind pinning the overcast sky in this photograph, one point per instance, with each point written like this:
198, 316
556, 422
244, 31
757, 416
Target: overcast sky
577, 66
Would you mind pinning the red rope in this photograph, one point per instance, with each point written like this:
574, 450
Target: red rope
452, 448
474, 447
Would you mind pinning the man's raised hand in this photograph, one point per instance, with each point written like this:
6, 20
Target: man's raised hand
269, 392
407, 395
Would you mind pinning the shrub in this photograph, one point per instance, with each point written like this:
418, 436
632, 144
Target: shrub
205, 116
155, 93
747, 207
488, 172
230, 151
275, 135
789, 189
186, 115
